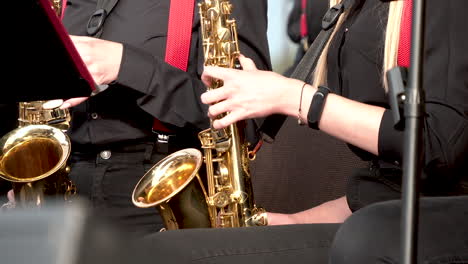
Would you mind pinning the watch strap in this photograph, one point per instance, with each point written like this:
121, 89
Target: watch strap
316, 106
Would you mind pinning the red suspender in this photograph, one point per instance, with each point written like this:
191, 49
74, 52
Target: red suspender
64, 6
303, 19
404, 46
179, 34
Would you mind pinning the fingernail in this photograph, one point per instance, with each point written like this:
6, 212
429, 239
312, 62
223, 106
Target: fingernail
65, 105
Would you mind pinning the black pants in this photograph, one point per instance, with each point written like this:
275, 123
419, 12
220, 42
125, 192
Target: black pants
371, 235
106, 176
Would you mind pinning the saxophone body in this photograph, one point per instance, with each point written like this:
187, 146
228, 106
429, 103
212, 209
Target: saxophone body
225, 192
34, 156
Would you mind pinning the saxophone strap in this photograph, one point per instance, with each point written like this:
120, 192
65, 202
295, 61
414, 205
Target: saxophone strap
97, 19
306, 66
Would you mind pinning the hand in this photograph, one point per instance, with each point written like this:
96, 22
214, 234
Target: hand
11, 201
247, 93
102, 57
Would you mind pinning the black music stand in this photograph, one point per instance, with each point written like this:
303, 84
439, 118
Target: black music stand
39, 59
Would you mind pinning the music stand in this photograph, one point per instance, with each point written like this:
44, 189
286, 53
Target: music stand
42, 61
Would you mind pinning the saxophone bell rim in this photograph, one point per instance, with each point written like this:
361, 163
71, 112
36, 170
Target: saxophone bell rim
148, 177
25, 133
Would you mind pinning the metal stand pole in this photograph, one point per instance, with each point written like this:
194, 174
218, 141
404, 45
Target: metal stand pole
412, 159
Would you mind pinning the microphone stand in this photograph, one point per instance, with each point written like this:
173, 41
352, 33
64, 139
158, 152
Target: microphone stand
412, 158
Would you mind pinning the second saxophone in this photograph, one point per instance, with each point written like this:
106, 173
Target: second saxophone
224, 196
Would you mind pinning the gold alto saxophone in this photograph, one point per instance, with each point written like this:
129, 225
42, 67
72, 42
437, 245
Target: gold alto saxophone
33, 157
174, 185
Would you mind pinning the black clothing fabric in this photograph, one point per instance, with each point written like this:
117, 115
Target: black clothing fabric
315, 10
372, 234
113, 144
148, 87
108, 182
272, 244
9, 117
314, 14
355, 71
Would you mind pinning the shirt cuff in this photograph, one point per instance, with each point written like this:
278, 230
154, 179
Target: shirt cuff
137, 69
390, 139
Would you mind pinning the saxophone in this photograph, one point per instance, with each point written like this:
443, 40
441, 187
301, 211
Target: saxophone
174, 185
33, 157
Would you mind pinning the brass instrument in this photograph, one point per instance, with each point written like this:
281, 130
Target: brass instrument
34, 156
174, 185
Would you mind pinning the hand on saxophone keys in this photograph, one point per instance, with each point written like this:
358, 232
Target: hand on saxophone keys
245, 93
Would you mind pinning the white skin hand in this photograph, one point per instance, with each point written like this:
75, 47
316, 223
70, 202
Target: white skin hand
11, 196
101, 57
245, 92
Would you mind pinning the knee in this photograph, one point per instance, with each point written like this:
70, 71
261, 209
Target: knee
370, 235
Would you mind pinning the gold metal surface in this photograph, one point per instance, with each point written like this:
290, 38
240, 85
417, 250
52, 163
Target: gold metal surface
34, 156
227, 199
34, 159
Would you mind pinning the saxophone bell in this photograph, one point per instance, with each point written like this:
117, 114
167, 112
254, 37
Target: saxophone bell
34, 159
175, 188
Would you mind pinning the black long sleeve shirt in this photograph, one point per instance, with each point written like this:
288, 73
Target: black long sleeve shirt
147, 86
355, 71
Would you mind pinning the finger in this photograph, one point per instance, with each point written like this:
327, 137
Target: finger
206, 79
73, 102
11, 196
218, 108
219, 73
229, 119
215, 95
247, 63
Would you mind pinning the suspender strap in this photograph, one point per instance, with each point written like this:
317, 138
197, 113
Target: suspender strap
303, 18
404, 46
97, 19
303, 26
306, 66
63, 4
179, 34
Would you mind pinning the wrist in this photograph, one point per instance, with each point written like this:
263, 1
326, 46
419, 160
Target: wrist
297, 96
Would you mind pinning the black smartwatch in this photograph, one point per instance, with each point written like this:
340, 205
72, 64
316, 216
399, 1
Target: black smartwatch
316, 107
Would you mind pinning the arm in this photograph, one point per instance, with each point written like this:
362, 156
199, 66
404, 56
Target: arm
335, 211
358, 126
168, 93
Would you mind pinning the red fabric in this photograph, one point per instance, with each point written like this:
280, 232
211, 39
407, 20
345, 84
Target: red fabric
404, 47
179, 34
303, 19
64, 6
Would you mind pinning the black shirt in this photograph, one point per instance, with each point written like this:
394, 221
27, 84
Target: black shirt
146, 86
355, 71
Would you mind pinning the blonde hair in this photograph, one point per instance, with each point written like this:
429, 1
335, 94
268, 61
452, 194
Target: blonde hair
392, 37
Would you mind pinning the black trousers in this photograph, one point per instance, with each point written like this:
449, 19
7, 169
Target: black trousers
105, 176
370, 235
